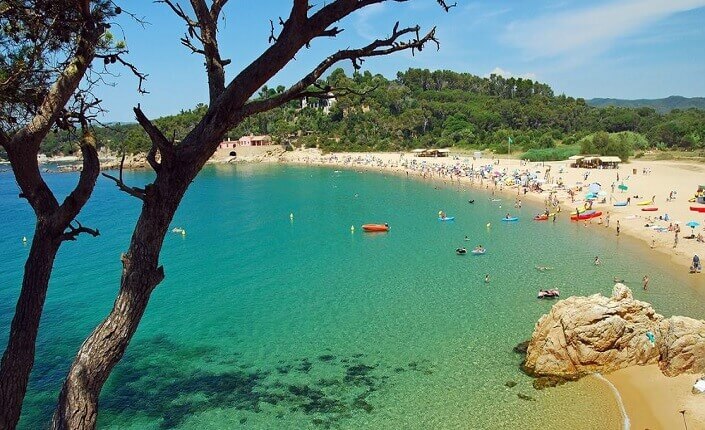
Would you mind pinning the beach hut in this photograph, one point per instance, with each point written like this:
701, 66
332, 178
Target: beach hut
575, 159
443, 152
588, 162
418, 152
609, 162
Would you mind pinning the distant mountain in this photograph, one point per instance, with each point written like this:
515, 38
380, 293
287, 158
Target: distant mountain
661, 105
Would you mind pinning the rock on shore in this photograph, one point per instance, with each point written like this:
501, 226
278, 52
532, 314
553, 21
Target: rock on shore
581, 335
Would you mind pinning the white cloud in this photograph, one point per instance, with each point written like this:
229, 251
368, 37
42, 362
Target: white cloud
588, 31
507, 74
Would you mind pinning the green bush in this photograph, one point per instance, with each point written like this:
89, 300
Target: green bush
551, 154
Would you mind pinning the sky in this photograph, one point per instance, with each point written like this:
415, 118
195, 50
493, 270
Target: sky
600, 48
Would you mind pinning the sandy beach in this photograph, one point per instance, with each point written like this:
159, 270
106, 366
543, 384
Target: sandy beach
652, 400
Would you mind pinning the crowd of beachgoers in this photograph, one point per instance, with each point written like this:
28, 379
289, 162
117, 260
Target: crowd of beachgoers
647, 200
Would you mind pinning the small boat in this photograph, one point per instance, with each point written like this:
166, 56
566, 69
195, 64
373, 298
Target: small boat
496, 200
375, 227
586, 215
461, 251
700, 209
471, 201
510, 219
644, 203
447, 218
541, 217
179, 230
480, 251
620, 204
649, 209
548, 294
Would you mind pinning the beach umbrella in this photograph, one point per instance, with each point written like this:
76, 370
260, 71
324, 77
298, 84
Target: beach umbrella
623, 187
692, 224
594, 188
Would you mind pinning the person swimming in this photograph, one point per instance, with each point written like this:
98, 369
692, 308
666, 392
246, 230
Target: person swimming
597, 261
487, 278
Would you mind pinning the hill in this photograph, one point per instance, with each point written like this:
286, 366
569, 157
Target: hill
442, 108
660, 105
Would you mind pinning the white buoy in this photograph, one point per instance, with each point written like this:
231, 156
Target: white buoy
352, 228
291, 215
183, 232
489, 224
24, 239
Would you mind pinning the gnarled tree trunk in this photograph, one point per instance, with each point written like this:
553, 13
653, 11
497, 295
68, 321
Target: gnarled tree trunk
18, 359
78, 402
179, 165
53, 220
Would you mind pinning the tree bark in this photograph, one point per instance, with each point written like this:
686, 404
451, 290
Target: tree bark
52, 220
78, 401
18, 359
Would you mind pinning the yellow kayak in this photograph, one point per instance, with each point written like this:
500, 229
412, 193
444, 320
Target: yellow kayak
644, 203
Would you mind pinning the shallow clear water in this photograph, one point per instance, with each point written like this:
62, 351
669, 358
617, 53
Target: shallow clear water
267, 322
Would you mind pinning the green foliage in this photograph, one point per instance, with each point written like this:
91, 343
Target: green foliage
603, 143
551, 154
422, 108
660, 105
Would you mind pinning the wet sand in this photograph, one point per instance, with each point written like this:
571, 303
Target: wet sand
654, 401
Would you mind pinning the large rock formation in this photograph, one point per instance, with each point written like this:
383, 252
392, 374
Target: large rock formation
581, 335
682, 348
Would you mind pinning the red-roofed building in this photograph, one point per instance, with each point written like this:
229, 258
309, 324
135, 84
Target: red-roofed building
250, 140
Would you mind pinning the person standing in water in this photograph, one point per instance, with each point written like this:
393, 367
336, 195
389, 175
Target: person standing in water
487, 278
597, 261
645, 282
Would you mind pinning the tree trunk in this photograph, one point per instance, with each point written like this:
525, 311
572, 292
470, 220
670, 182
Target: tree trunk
78, 402
18, 359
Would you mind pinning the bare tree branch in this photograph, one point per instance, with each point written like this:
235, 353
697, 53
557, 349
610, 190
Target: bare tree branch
111, 58
133, 191
179, 11
376, 48
73, 203
72, 232
216, 7
445, 5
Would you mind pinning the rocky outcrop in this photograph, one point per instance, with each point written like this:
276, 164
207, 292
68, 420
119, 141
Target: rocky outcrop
581, 335
682, 348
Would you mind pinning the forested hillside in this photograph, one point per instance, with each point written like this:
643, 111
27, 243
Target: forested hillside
660, 105
421, 108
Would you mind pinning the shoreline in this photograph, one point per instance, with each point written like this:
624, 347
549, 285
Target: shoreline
639, 389
629, 217
649, 398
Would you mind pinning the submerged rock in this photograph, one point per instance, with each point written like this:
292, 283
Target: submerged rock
525, 397
581, 335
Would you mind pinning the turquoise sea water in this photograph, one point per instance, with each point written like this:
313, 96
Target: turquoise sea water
267, 322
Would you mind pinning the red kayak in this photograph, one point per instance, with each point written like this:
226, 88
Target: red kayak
541, 218
375, 227
649, 209
698, 209
586, 215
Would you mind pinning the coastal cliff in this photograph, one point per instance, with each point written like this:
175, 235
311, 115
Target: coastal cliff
581, 335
